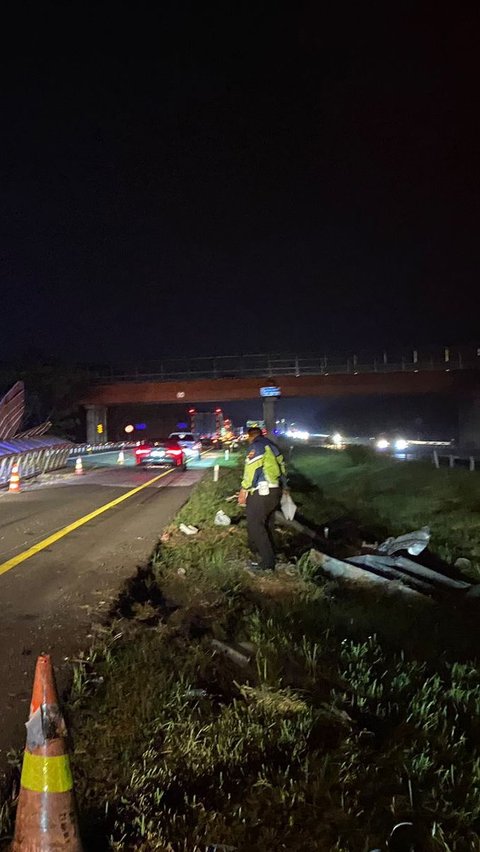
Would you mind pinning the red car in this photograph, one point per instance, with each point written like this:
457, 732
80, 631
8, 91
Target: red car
161, 454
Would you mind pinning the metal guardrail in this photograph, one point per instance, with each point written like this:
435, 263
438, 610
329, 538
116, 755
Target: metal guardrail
263, 365
109, 446
472, 463
33, 462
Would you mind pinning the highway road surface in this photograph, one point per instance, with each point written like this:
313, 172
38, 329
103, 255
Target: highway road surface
67, 543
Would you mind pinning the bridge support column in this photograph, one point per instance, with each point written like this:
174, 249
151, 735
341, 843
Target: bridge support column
269, 413
96, 424
469, 423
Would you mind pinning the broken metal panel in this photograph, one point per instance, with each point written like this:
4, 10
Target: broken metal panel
35, 431
386, 566
407, 565
338, 569
414, 542
12, 409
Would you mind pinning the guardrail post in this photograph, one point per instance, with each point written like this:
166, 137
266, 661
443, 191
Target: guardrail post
436, 460
472, 464
297, 366
451, 461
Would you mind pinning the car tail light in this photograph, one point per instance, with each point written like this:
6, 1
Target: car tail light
142, 451
175, 452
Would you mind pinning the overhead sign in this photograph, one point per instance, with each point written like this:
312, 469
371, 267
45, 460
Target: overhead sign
269, 391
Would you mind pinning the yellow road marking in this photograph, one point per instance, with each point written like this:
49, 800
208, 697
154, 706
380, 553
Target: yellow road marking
37, 548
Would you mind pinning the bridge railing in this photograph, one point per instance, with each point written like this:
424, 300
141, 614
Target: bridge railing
265, 365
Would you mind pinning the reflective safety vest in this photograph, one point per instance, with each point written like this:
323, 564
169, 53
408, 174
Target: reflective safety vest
265, 463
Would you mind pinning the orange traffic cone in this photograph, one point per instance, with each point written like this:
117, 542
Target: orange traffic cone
79, 467
14, 484
46, 814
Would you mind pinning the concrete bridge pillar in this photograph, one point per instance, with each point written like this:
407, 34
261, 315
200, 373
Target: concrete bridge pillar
269, 413
96, 424
469, 423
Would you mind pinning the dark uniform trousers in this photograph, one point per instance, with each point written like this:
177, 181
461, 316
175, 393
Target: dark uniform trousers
260, 524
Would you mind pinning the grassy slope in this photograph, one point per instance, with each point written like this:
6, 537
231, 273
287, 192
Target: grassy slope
321, 741
385, 497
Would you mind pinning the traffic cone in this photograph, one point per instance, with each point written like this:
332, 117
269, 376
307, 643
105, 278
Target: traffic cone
46, 819
79, 466
121, 457
14, 484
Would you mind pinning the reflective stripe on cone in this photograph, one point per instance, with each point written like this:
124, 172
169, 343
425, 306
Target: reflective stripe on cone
46, 817
14, 484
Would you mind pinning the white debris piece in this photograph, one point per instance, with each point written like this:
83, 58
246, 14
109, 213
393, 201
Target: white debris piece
414, 542
188, 529
288, 506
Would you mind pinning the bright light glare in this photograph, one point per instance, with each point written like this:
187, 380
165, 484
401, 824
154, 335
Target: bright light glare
337, 439
401, 444
382, 444
299, 434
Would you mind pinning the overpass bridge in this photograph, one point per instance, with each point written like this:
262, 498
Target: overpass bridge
455, 373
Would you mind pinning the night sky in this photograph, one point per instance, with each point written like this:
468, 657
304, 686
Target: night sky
238, 177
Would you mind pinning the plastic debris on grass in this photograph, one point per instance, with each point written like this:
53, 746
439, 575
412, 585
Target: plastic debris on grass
188, 529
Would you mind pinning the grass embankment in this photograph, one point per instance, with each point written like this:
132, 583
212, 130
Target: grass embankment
358, 490
318, 729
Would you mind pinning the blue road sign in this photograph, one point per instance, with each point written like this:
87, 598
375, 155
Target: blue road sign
269, 391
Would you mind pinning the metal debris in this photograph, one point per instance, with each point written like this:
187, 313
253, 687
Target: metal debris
339, 569
231, 653
414, 542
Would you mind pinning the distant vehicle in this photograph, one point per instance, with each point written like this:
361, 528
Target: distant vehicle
161, 454
189, 444
392, 442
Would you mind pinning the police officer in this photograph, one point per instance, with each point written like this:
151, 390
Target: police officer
264, 480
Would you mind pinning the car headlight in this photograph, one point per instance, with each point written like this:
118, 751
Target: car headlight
401, 444
382, 444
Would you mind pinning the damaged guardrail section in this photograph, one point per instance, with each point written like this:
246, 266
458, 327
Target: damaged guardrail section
33, 456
